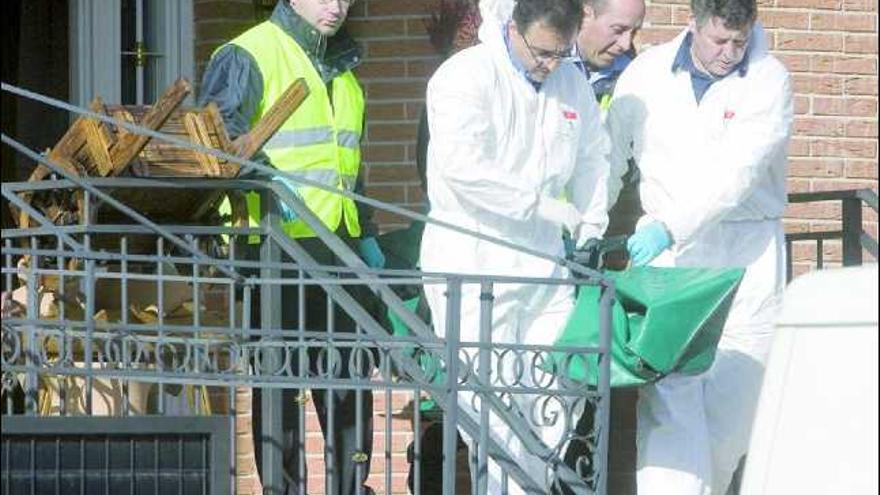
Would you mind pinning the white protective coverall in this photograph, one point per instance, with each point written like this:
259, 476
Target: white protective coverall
499, 152
714, 173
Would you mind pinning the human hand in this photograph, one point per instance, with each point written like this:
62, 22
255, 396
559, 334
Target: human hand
371, 253
647, 243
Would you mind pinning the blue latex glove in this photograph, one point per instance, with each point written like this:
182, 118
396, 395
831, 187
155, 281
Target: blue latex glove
287, 212
371, 253
647, 243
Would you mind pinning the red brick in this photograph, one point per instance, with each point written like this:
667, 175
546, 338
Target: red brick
658, 14
848, 65
811, 126
845, 148
860, 5
656, 35
793, 226
400, 48
397, 7
799, 147
388, 194
795, 62
823, 210
862, 128
801, 269
798, 185
417, 26
801, 105
367, 28
817, 84
393, 173
860, 43
862, 107
415, 195
856, 65
842, 185
396, 90
385, 111
414, 111
379, 132
422, 67
681, 15
784, 19
815, 42
384, 153
859, 169
803, 251
812, 167
382, 69
821, 21
860, 85
812, 4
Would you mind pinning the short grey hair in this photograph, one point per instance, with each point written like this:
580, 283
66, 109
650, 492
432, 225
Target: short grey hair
735, 14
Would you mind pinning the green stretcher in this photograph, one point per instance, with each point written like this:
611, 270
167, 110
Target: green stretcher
664, 320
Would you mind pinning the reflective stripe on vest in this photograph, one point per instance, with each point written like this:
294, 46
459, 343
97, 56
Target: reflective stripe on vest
320, 141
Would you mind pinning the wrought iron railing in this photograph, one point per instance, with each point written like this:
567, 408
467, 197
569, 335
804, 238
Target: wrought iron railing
80, 344
852, 236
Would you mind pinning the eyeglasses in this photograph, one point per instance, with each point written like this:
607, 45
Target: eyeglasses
547, 56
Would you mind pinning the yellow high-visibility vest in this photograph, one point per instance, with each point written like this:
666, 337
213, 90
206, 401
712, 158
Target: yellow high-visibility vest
320, 141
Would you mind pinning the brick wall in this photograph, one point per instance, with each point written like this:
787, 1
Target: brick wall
398, 60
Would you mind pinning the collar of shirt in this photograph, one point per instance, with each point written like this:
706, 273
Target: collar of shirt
603, 80
700, 81
516, 63
330, 56
594, 75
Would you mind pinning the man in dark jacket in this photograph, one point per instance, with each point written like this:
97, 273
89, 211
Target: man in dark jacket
321, 142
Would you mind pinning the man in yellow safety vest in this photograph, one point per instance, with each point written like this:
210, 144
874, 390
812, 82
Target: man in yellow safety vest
319, 142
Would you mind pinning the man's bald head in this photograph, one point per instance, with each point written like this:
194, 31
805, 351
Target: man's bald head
608, 29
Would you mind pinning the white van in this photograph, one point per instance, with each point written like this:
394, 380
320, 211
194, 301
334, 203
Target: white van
815, 430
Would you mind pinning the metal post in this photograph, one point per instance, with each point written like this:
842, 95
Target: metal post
33, 314
270, 357
481, 476
603, 411
450, 419
852, 231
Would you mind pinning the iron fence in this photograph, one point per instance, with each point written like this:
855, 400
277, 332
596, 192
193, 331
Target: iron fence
136, 318
852, 236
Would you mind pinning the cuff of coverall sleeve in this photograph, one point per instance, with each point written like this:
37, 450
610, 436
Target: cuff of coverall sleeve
588, 231
677, 229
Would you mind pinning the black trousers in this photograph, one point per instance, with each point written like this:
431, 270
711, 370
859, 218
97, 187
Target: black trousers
350, 444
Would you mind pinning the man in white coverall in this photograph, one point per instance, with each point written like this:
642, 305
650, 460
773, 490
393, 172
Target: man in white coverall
514, 129
707, 118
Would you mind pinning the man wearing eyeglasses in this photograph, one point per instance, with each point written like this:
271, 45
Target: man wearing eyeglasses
320, 141
514, 131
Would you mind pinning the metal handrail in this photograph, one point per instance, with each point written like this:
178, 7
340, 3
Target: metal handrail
271, 231
852, 234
